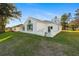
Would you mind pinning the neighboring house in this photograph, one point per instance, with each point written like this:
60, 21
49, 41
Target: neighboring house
40, 27
8, 29
18, 28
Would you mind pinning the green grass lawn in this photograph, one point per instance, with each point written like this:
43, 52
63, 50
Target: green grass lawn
22, 44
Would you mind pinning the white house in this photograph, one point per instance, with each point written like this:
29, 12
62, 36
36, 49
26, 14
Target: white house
40, 27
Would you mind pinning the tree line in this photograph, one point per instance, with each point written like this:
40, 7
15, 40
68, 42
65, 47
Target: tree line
68, 22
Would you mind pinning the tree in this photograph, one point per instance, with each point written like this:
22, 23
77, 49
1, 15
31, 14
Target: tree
64, 18
77, 14
69, 18
72, 25
75, 23
8, 12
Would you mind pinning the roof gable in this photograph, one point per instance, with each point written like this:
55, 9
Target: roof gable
38, 20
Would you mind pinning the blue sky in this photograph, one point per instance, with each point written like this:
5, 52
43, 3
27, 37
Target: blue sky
44, 11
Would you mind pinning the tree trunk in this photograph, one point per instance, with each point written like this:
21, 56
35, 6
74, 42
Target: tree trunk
2, 25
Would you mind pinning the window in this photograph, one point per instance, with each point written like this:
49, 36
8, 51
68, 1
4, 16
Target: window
30, 27
29, 21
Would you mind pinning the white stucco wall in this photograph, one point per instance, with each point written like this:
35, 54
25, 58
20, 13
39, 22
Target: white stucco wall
43, 27
40, 28
56, 29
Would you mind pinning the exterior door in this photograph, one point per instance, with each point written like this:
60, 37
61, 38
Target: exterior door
49, 29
